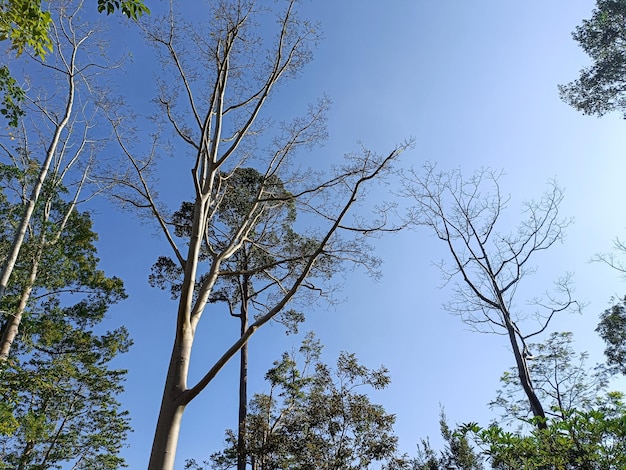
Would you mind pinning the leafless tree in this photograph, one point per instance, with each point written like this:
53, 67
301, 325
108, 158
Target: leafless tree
487, 266
215, 81
55, 145
614, 259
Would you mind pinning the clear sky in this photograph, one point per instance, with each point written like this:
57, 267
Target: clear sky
475, 83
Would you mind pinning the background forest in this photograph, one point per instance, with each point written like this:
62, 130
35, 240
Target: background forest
312, 235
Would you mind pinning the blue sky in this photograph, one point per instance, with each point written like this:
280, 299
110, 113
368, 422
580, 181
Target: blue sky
475, 84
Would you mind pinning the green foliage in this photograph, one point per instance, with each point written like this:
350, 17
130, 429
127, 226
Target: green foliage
612, 329
585, 429
590, 440
458, 453
64, 394
314, 417
133, 9
601, 87
25, 24
13, 95
57, 391
245, 195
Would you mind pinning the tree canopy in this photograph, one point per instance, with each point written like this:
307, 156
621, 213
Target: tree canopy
315, 417
58, 391
601, 87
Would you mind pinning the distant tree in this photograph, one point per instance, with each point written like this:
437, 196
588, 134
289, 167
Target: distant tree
57, 392
601, 87
562, 379
612, 329
592, 439
217, 75
458, 453
464, 214
314, 417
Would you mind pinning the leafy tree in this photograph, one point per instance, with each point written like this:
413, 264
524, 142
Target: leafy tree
58, 139
601, 87
592, 439
464, 214
458, 453
612, 329
25, 24
586, 425
217, 77
56, 387
314, 417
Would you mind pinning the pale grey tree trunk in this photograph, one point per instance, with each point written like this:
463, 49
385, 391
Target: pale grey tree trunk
11, 328
172, 406
20, 234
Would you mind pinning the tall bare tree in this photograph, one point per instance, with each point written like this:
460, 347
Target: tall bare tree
55, 144
216, 79
488, 266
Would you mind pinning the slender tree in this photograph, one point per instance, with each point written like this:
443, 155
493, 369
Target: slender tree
217, 76
464, 213
57, 139
315, 416
458, 453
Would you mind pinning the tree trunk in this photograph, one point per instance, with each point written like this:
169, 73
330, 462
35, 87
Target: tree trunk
11, 328
242, 453
20, 234
243, 395
524, 375
243, 409
173, 405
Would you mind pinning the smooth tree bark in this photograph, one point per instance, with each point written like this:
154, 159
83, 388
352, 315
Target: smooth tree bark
489, 266
63, 125
253, 276
216, 80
